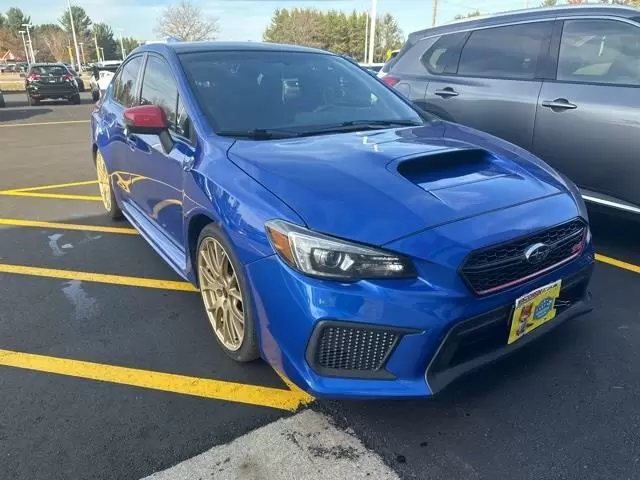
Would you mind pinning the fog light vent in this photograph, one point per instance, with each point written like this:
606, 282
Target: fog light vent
353, 348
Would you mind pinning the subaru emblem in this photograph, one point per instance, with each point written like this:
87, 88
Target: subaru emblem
536, 253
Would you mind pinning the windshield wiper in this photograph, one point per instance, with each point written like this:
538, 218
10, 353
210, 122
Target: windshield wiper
259, 133
382, 123
355, 125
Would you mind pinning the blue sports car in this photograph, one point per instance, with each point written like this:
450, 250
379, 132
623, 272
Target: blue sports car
360, 246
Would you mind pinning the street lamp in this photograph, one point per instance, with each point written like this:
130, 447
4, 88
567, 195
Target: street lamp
102, 53
121, 43
24, 43
82, 51
73, 32
95, 40
372, 31
28, 26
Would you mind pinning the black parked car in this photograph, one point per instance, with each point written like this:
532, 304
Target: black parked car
2, 104
50, 81
561, 82
78, 78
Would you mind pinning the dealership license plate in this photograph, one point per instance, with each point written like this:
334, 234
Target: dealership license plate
534, 309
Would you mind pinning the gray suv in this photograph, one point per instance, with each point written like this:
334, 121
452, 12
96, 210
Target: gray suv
562, 82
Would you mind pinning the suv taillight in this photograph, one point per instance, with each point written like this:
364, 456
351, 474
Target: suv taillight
390, 80
67, 76
33, 76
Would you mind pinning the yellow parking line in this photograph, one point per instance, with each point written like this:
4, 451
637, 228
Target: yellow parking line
305, 398
62, 196
36, 124
54, 186
97, 277
167, 382
618, 263
67, 226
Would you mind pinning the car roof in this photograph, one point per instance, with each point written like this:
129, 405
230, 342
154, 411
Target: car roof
540, 13
188, 47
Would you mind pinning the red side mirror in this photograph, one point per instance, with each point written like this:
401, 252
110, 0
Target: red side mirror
149, 120
145, 119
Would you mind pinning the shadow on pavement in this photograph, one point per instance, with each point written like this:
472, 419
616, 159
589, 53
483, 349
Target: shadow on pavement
12, 115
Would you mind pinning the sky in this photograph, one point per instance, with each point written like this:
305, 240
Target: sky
247, 19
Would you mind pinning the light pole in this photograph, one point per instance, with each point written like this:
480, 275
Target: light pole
24, 43
82, 52
372, 31
102, 53
95, 40
28, 26
121, 44
366, 36
73, 32
434, 12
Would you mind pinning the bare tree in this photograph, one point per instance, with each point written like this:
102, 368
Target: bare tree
186, 22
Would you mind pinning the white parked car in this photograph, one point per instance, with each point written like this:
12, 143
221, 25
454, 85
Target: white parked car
103, 72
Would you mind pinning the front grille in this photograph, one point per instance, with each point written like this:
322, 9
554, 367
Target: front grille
347, 349
495, 268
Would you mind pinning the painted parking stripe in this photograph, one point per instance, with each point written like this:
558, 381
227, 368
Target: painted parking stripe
38, 124
54, 186
618, 263
15, 222
97, 277
200, 387
60, 196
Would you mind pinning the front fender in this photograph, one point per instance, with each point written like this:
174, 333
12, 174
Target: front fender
220, 191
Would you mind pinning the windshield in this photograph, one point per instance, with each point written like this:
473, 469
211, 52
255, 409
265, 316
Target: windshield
50, 70
247, 91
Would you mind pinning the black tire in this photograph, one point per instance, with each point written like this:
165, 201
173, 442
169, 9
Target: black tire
75, 100
2, 103
112, 208
33, 102
95, 95
248, 350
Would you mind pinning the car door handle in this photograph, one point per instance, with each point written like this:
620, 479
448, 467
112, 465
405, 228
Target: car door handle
132, 141
446, 92
558, 104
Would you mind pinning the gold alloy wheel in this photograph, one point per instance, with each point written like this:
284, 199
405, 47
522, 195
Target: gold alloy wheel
221, 293
103, 181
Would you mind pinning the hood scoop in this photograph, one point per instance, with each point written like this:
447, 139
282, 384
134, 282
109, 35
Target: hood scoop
450, 169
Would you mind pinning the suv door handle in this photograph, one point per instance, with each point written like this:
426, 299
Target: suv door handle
558, 104
446, 92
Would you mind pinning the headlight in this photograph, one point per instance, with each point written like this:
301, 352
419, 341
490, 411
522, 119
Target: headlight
322, 256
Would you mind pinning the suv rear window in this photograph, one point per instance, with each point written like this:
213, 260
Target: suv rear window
504, 52
50, 70
444, 53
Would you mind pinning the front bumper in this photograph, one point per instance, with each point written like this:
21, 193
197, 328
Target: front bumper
430, 322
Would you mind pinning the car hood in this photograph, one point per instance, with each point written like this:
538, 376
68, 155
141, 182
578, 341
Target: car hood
378, 186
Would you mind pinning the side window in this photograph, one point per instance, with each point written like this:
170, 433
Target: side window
599, 51
183, 125
443, 53
159, 88
124, 87
504, 52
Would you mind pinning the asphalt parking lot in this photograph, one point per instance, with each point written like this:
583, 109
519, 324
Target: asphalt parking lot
109, 369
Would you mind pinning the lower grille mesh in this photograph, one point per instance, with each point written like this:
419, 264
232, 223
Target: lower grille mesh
353, 348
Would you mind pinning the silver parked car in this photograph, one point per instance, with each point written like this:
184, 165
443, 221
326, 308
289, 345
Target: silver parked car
562, 82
